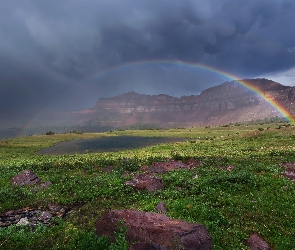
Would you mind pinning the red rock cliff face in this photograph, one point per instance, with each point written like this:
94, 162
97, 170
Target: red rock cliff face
228, 102
133, 102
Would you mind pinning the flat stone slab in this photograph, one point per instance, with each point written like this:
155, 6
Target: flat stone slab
155, 230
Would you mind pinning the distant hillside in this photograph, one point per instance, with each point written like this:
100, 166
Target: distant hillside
229, 102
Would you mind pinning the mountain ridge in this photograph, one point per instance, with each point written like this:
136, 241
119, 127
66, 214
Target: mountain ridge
229, 102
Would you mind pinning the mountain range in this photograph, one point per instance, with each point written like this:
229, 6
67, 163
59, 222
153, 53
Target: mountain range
230, 102
227, 103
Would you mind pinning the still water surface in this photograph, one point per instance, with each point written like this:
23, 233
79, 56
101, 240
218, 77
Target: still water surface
105, 144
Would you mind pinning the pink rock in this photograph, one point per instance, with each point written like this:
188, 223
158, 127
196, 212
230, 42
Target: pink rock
192, 163
41, 186
161, 208
290, 173
145, 246
146, 182
229, 168
27, 177
45, 184
164, 167
108, 169
45, 216
154, 228
255, 242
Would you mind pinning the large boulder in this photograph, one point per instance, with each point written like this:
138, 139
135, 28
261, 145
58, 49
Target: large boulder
26, 177
146, 182
154, 229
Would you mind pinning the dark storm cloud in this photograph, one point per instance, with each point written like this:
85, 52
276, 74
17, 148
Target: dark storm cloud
48, 49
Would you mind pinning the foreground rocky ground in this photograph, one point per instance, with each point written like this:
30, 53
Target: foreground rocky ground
149, 230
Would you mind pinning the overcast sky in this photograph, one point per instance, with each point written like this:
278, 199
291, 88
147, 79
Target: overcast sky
65, 54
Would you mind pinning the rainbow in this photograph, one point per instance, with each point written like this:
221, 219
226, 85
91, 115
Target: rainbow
280, 108
131, 65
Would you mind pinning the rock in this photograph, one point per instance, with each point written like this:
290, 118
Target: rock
161, 208
255, 242
32, 215
23, 222
164, 167
45, 216
108, 169
126, 174
54, 207
153, 228
41, 186
27, 177
9, 212
145, 246
288, 164
229, 102
45, 184
59, 211
146, 182
191, 163
229, 168
289, 171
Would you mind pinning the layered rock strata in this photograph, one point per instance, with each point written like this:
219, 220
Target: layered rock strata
229, 102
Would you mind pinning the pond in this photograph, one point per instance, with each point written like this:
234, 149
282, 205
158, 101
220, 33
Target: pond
105, 144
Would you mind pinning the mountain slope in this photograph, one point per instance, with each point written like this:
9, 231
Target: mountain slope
229, 102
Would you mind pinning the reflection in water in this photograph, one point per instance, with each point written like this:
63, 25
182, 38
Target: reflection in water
105, 144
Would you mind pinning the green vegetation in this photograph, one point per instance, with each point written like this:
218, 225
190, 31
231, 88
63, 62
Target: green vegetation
50, 133
252, 197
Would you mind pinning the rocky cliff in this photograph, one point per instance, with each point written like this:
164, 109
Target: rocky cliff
229, 102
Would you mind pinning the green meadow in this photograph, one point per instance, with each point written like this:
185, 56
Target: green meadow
253, 197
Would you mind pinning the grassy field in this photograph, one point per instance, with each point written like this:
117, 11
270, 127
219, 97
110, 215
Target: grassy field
253, 197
